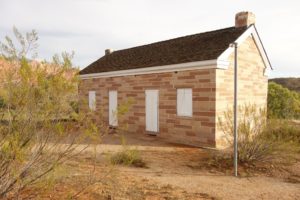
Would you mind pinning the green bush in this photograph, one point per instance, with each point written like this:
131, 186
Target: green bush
283, 103
292, 84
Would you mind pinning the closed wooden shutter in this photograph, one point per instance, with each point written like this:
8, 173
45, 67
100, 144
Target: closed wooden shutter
185, 102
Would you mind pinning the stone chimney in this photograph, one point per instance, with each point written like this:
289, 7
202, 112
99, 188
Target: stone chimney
244, 19
108, 51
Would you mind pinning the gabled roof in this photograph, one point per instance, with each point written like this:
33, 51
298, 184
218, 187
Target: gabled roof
198, 47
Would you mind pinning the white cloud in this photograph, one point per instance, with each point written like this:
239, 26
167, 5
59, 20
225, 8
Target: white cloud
90, 26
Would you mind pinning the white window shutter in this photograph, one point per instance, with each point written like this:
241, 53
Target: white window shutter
185, 102
92, 100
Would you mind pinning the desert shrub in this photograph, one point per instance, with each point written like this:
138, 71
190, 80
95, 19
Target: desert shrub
283, 103
128, 157
259, 139
34, 140
252, 145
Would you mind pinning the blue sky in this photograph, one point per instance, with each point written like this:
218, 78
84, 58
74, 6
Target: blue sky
90, 26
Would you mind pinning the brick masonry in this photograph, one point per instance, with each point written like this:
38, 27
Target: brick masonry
252, 83
212, 94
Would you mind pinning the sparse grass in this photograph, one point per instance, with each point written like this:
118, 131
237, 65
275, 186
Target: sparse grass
128, 157
286, 136
284, 131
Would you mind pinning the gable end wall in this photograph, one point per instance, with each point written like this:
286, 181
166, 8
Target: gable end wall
252, 84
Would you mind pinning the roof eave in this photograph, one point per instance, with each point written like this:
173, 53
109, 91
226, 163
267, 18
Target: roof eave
206, 64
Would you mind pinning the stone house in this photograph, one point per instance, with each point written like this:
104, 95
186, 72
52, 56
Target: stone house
180, 86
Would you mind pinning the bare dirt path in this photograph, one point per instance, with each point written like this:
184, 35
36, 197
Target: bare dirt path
180, 166
172, 172
175, 169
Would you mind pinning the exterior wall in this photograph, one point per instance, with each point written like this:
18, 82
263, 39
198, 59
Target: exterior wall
212, 96
197, 130
252, 84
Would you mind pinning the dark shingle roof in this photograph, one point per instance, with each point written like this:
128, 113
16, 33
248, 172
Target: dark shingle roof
198, 47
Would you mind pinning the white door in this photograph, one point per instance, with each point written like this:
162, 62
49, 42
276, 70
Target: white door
152, 111
113, 105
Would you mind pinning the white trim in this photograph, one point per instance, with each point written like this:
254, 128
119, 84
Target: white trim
267, 72
261, 49
239, 41
251, 31
207, 64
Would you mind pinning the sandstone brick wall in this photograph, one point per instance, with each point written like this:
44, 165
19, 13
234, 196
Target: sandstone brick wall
212, 95
252, 84
196, 130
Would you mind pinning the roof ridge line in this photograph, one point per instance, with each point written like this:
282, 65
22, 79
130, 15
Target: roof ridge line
168, 40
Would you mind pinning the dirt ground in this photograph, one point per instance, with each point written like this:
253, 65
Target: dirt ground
171, 172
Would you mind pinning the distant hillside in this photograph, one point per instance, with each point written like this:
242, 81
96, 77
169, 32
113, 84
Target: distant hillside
290, 83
